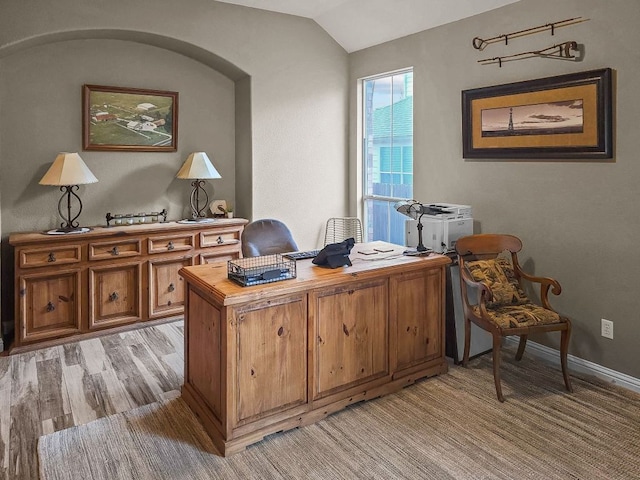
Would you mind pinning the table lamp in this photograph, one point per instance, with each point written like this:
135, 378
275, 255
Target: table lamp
197, 167
415, 210
68, 171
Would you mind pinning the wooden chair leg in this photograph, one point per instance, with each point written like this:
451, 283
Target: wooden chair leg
497, 341
564, 350
521, 347
467, 341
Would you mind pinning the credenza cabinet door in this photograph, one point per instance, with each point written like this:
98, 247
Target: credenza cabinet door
416, 311
48, 305
166, 287
350, 329
114, 295
271, 342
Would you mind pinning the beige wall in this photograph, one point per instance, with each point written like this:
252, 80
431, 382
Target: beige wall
578, 220
298, 83
41, 115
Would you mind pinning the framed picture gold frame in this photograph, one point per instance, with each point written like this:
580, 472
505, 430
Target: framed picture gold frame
129, 119
562, 117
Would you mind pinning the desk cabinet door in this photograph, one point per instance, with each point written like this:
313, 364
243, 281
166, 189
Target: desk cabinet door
351, 335
416, 312
271, 339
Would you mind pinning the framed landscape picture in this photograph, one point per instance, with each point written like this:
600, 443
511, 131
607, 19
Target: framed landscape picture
129, 119
563, 117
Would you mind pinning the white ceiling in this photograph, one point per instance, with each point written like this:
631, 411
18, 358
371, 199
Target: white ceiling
358, 24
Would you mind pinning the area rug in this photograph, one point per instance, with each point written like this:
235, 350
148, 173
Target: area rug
446, 427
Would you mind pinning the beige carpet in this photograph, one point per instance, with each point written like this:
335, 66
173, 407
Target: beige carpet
447, 427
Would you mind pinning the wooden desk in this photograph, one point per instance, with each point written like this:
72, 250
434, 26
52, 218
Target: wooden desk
272, 357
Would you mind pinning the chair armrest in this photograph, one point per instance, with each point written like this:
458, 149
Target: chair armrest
545, 283
484, 292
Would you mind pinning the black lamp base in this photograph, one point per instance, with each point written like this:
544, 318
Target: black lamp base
70, 224
198, 204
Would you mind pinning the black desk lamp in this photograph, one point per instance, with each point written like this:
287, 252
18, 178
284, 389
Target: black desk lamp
415, 210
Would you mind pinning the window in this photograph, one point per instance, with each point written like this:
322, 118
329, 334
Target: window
387, 153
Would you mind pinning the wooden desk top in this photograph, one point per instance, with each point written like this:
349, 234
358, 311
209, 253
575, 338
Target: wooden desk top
213, 280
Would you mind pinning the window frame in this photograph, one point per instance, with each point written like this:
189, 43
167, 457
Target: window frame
362, 150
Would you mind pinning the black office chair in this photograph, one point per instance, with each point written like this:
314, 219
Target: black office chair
266, 237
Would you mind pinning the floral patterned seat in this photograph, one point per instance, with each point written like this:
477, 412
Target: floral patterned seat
510, 307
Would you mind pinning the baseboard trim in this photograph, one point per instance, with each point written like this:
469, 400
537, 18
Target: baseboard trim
580, 365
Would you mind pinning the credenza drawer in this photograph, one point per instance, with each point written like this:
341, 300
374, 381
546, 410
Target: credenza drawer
110, 250
45, 257
219, 239
170, 243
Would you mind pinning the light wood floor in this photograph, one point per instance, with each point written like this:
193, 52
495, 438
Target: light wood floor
58, 387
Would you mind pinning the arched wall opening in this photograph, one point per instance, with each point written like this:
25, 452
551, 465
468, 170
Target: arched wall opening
41, 108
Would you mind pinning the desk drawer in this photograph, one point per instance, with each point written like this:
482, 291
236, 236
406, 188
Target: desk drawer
110, 250
170, 243
45, 257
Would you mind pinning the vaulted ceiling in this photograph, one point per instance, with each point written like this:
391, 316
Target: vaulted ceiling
358, 24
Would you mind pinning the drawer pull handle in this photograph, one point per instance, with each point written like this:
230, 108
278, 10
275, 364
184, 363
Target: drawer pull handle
50, 307
172, 287
52, 257
170, 246
115, 251
220, 240
113, 296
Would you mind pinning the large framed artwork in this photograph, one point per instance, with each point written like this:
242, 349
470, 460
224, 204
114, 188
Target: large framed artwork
563, 117
129, 119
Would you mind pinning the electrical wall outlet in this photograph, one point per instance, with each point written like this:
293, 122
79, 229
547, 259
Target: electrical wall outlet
607, 328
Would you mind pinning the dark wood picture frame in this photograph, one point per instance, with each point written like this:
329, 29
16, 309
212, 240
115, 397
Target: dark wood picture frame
562, 117
129, 119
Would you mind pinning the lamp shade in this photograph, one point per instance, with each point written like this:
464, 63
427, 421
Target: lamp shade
197, 165
410, 208
68, 169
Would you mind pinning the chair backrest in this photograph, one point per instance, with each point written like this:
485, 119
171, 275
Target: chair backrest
266, 237
341, 228
487, 244
482, 247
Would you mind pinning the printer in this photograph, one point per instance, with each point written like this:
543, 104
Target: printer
442, 225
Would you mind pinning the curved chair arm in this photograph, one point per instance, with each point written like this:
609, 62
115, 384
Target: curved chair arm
484, 292
545, 283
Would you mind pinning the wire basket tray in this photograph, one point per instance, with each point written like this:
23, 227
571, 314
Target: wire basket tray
260, 270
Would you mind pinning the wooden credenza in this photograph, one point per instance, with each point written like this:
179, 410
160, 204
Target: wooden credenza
76, 284
272, 357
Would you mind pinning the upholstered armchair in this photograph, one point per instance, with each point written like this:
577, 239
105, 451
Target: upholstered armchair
489, 262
